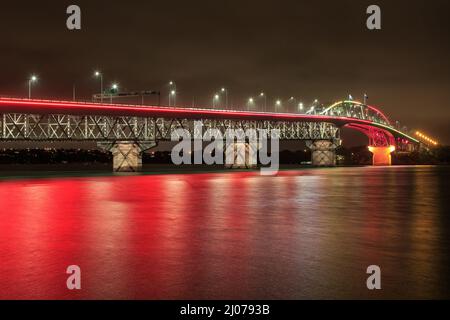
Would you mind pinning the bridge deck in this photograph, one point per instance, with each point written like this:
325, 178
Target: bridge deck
27, 106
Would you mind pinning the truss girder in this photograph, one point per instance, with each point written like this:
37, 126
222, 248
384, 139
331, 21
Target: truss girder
14, 126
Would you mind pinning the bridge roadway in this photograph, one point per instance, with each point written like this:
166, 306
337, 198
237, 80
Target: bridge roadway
128, 130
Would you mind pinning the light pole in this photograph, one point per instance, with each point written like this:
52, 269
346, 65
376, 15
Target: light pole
98, 74
292, 101
300, 107
172, 88
250, 103
263, 95
224, 90
215, 99
114, 88
173, 94
277, 104
32, 79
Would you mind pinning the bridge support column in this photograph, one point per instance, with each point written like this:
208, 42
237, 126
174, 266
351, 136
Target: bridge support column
127, 155
381, 155
323, 152
241, 155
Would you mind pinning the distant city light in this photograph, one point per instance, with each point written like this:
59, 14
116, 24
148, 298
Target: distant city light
261, 94
173, 92
278, 103
250, 100
216, 97
425, 138
300, 106
115, 86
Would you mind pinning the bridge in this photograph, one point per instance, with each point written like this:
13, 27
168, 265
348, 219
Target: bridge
129, 130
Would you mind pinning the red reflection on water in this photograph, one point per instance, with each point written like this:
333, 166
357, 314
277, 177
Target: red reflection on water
300, 234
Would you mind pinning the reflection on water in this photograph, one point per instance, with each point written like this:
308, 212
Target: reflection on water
302, 234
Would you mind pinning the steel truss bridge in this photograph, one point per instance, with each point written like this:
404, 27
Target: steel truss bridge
108, 124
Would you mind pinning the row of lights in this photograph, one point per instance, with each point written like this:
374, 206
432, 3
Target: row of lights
172, 93
426, 138
252, 100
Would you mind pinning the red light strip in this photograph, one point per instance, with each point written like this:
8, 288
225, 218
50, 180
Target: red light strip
156, 109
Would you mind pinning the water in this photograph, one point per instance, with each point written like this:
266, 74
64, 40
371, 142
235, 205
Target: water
302, 234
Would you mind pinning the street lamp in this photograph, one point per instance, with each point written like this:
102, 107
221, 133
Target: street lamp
172, 88
114, 88
300, 106
32, 79
215, 99
98, 74
278, 103
173, 94
250, 103
291, 104
263, 95
224, 90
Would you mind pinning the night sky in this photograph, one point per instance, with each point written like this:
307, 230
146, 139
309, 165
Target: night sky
306, 49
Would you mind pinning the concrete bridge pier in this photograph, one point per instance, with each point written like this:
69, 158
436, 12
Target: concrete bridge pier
323, 152
127, 155
241, 155
381, 156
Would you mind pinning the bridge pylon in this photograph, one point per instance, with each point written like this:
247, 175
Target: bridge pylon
381, 156
241, 155
323, 152
127, 155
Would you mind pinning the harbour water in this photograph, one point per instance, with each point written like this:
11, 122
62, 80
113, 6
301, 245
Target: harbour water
307, 233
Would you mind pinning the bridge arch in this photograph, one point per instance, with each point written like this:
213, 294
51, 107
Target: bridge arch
355, 109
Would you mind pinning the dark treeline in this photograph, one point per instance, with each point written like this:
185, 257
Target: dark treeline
345, 156
53, 156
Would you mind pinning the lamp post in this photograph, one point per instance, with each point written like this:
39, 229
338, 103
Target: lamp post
292, 104
277, 104
114, 88
300, 107
32, 79
173, 94
173, 90
215, 99
98, 74
225, 91
250, 103
263, 95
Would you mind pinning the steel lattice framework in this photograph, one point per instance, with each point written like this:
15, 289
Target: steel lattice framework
63, 127
357, 110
